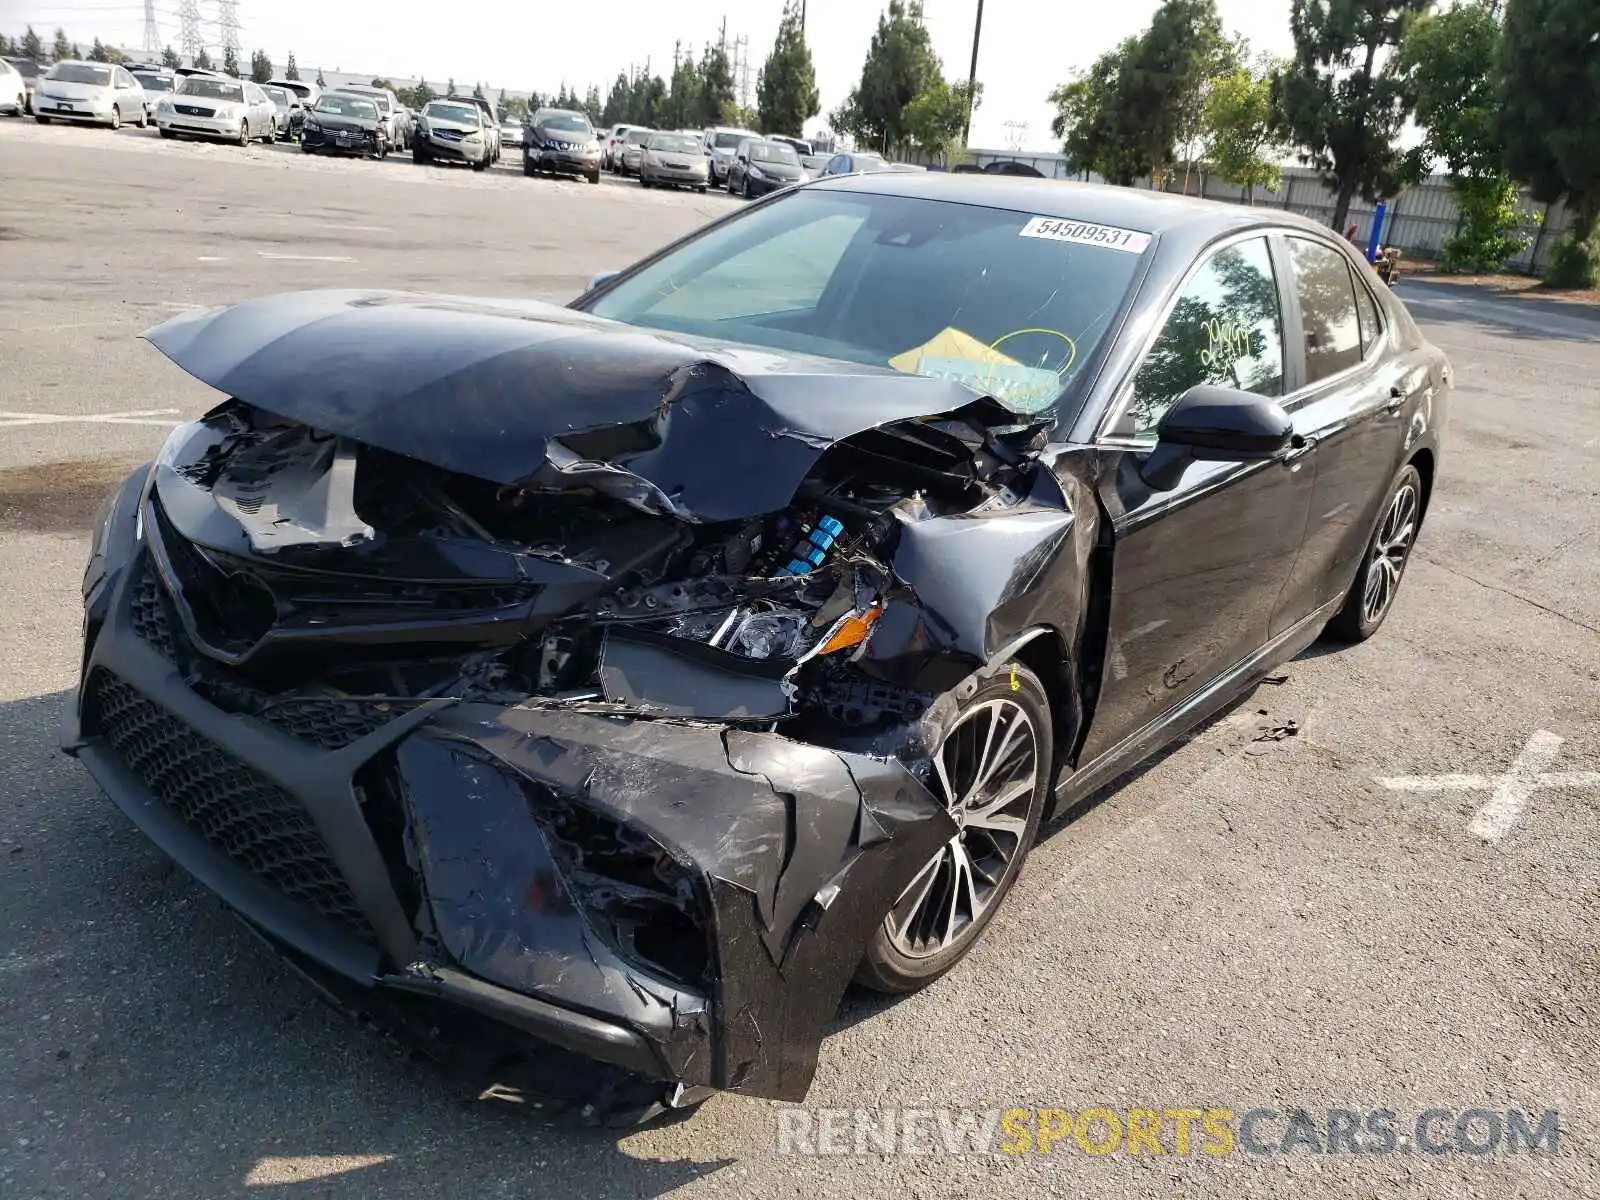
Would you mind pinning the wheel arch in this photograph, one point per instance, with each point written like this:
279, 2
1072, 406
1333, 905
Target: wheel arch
1424, 461
1044, 651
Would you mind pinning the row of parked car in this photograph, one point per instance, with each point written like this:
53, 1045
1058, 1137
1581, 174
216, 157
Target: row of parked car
365, 120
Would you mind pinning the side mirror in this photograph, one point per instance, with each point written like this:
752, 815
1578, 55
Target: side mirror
1215, 424
603, 278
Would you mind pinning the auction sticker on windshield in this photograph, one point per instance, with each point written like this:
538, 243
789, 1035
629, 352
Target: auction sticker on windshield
1059, 230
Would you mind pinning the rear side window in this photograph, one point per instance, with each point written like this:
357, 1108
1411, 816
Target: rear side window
1367, 317
1225, 329
1327, 308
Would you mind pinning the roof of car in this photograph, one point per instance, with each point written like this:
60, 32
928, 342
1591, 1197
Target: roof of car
1101, 204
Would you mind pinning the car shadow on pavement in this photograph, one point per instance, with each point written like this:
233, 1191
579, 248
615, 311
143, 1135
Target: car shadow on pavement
149, 1045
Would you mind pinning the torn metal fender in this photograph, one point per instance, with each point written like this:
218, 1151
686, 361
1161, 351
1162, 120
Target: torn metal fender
979, 581
520, 391
799, 852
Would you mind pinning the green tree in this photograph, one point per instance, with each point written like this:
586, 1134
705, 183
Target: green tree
450, 86
1178, 56
32, 45
6, 45
381, 82
203, 60
937, 118
61, 48
477, 92
1449, 57
291, 69
716, 88
97, 52
591, 104
260, 66
786, 93
899, 66
170, 59
230, 61
1550, 92
682, 103
1089, 120
321, 82
616, 106
1239, 141
1340, 105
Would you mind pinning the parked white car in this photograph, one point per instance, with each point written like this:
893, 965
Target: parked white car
13, 90
217, 106
99, 93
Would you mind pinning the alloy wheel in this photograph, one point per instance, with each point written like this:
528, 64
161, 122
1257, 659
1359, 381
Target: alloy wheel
988, 770
1390, 548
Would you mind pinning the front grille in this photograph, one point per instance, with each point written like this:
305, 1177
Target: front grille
331, 722
194, 110
239, 811
148, 609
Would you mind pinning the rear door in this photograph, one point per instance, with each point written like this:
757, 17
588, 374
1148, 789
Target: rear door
1352, 404
1197, 570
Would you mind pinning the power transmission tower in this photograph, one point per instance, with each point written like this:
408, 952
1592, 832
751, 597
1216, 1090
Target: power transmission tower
189, 28
152, 32
228, 18
741, 68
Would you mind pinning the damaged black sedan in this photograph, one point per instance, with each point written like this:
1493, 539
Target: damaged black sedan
629, 677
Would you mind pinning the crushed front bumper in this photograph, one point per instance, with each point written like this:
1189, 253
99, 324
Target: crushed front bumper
478, 855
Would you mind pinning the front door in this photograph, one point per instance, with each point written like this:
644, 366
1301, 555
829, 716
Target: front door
1196, 571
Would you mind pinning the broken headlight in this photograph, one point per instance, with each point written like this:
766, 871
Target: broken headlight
758, 632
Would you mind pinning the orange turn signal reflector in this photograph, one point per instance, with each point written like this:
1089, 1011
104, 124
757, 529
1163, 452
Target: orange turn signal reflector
852, 631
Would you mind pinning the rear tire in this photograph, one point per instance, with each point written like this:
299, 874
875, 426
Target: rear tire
1383, 564
1003, 736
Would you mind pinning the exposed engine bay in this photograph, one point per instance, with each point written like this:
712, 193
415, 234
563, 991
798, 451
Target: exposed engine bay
345, 569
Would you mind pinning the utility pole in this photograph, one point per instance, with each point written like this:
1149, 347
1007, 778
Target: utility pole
972, 78
741, 71
228, 19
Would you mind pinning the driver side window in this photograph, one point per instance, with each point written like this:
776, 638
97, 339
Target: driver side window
1225, 329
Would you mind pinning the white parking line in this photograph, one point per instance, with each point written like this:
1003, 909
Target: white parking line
344, 258
1511, 790
143, 416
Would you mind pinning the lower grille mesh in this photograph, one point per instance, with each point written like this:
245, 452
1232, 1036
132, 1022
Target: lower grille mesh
239, 811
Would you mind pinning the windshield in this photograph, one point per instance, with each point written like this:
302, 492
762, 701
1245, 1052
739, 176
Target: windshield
466, 114
773, 152
26, 67
347, 106
278, 96
71, 72
209, 88
380, 101
674, 143
154, 83
566, 124
1007, 303
728, 140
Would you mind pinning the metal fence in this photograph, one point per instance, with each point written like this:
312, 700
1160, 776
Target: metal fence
1418, 220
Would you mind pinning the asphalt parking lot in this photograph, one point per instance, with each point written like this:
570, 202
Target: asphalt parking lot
1252, 920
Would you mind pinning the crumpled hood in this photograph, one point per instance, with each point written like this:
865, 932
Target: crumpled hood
527, 392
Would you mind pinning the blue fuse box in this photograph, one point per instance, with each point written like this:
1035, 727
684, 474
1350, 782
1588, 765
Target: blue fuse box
810, 553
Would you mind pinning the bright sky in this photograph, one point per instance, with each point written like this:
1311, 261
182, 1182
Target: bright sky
1028, 46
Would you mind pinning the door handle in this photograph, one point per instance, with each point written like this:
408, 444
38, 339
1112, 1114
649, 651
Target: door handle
1299, 446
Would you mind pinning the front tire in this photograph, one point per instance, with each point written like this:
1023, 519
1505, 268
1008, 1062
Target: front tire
116, 118
992, 770
1377, 581
594, 176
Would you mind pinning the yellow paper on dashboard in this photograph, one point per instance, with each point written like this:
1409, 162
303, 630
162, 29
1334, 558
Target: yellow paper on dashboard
954, 355
950, 343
